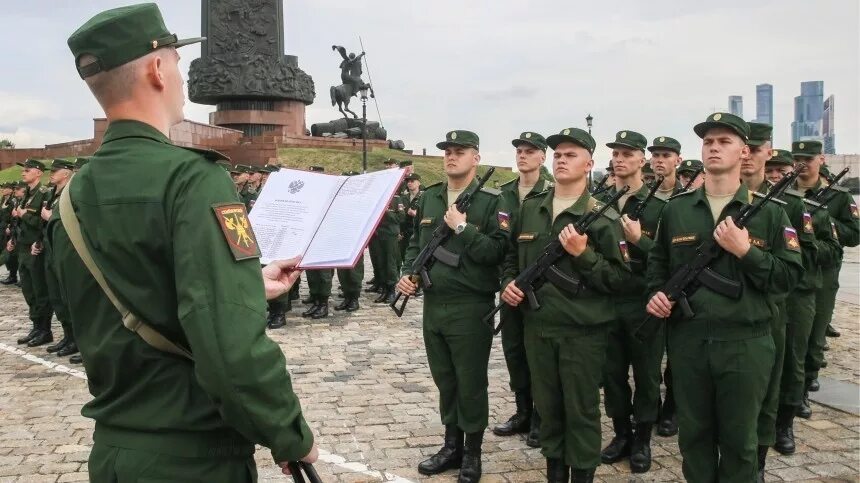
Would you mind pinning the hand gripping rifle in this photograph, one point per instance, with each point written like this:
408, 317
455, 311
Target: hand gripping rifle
46, 203
543, 269
303, 472
697, 273
640, 208
12, 226
822, 195
434, 250
687, 186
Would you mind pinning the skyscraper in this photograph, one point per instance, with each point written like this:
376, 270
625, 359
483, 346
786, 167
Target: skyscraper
764, 103
736, 105
808, 111
828, 128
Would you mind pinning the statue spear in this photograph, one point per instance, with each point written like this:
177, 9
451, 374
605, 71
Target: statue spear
370, 78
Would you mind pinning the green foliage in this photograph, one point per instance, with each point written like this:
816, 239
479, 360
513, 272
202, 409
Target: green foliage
6, 144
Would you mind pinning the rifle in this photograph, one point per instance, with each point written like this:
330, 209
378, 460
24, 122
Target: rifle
696, 174
434, 250
822, 195
12, 226
640, 208
299, 470
45, 203
543, 269
697, 273
601, 186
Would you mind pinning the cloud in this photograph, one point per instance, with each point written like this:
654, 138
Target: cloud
27, 137
15, 109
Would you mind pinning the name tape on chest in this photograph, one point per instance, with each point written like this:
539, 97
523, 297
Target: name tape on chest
688, 238
426, 221
233, 220
526, 237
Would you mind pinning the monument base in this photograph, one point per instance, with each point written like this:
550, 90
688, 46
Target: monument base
261, 117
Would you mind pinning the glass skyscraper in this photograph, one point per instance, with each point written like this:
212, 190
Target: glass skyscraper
736, 105
808, 111
828, 128
764, 103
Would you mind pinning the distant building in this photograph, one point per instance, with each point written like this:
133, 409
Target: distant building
764, 103
838, 162
736, 105
828, 129
808, 111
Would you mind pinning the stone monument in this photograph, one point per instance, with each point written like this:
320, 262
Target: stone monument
244, 72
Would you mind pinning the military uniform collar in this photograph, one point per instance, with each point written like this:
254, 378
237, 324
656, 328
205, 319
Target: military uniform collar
127, 128
821, 183
443, 193
742, 195
578, 208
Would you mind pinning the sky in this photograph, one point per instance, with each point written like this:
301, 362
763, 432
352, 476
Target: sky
496, 67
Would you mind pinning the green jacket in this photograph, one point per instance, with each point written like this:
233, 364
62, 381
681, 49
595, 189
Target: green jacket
161, 247
389, 226
602, 267
511, 191
820, 249
481, 246
844, 214
31, 222
771, 265
408, 223
248, 196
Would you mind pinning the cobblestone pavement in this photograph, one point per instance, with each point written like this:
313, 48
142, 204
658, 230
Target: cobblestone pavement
367, 393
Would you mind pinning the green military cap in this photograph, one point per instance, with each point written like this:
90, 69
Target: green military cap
532, 138
32, 164
225, 164
805, 149
120, 35
665, 143
572, 135
58, 164
272, 168
389, 162
781, 157
723, 119
81, 162
647, 169
243, 168
351, 173
628, 139
690, 165
262, 169
405, 163
316, 169
4, 185
760, 133
466, 139
823, 170
413, 176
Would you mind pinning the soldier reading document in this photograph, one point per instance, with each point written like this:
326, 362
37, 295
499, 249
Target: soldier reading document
326, 219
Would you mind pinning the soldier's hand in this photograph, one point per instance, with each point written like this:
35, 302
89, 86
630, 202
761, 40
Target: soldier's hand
279, 276
512, 295
632, 229
10, 246
406, 286
731, 238
660, 306
311, 458
411, 212
453, 217
46, 214
35, 249
572, 241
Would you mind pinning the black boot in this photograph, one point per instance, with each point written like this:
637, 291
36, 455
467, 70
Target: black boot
762, 458
383, 294
69, 349
619, 447
533, 439
10, 279
352, 304
76, 359
804, 410
278, 320
640, 450
832, 332
582, 476
41, 338
29, 336
373, 288
557, 471
59, 345
371, 282
322, 310
784, 444
520, 422
310, 311
343, 305
667, 425
813, 385
447, 458
470, 470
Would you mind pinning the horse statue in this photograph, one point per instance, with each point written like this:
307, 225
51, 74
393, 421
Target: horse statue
350, 75
340, 97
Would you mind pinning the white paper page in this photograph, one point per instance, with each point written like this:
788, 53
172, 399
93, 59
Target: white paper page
289, 210
352, 218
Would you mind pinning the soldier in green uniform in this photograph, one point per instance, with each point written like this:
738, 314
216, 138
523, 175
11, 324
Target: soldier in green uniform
61, 172
180, 234
566, 337
665, 159
456, 339
530, 156
722, 356
8, 202
384, 249
687, 169
647, 174
624, 350
32, 267
11, 255
844, 215
350, 278
410, 198
319, 283
779, 166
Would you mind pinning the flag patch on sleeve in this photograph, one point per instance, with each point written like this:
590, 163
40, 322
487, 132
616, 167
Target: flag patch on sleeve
504, 221
791, 241
807, 223
625, 253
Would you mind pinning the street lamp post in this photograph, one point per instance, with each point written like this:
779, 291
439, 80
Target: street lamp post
363, 92
588, 121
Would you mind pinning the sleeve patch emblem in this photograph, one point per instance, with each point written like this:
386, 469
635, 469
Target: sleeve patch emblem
807, 223
625, 253
833, 230
854, 212
426, 221
233, 220
791, 241
504, 221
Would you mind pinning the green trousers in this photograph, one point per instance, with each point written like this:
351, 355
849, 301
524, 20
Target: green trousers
767, 415
10, 259
319, 283
514, 348
350, 280
458, 352
281, 304
825, 301
403, 244
800, 307
566, 373
55, 297
384, 255
719, 388
35, 287
108, 464
624, 351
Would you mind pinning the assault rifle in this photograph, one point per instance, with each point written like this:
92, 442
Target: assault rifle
687, 186
300, 470
12, 226
822, 195
640, 208
601, 186
434, 250
543, 269
47, 202
697, 273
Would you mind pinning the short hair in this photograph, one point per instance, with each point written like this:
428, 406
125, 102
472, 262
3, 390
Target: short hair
115, 85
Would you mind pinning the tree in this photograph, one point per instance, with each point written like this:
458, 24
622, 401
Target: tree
6, 144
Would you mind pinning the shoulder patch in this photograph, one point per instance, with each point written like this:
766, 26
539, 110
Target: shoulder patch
209, 154
233, 220
491, 191
791, 240
756, 194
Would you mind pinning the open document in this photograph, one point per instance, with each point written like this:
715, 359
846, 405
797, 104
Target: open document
326, 219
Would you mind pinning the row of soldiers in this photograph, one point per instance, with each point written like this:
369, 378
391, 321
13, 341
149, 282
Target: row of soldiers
742, 354
25, 209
